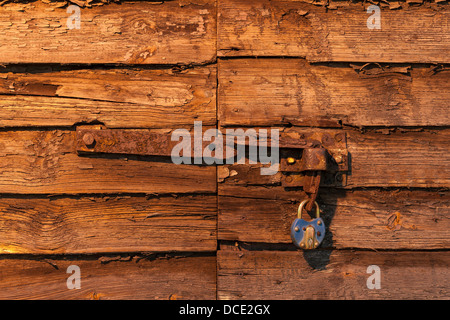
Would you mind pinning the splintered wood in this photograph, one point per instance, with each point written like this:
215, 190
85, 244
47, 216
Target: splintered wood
149, 98
337, 32
326, 274
129, 278
125, 33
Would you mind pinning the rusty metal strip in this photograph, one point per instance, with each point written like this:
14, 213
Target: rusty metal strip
316, 151
135, 142
138, 142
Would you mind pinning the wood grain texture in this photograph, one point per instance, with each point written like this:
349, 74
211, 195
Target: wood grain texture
378, 158
268, 92
145, 98
323, 274
46, 162
365, 219
400, 158
127, 278
127, 33
322, 33
83, 225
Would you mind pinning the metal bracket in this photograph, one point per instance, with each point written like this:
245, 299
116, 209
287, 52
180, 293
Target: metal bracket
321, 151
96, 139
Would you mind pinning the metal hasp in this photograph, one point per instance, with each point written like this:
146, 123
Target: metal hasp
323, 159
316, 158
317, 151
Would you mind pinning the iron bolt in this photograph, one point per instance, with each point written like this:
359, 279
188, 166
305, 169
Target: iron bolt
88, 139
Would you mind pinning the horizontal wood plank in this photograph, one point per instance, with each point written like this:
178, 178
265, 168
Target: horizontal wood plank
335, 32
169, 32
39, 162
146, 98
399, 159
377, 158
123, 278
324, 274
366, 219
86, 225
296, 92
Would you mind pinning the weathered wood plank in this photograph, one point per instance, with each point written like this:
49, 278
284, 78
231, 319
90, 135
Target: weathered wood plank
146, 98
323, 274
401, 158
321, 33
46, 162
378, 158
107, 224
130, 33
295, 92
129, 278
367, 219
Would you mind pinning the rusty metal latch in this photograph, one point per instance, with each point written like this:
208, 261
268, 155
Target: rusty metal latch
308, 160
323, 160
312, 159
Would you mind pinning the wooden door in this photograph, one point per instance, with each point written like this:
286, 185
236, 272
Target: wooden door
301, 67
142, 227
138, 227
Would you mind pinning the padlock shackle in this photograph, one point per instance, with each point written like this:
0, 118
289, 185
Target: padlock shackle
302, 204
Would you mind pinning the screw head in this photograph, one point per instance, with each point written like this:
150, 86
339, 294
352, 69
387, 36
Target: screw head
88, 139
290, 160
318, 233
297, 229
339, 159
319, 222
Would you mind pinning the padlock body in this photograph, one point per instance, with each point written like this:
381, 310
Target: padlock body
307, 234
